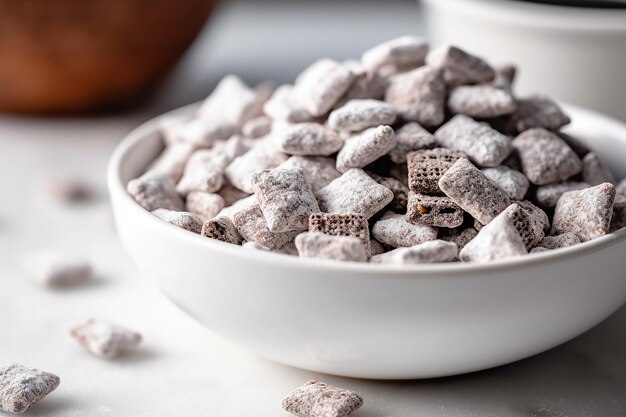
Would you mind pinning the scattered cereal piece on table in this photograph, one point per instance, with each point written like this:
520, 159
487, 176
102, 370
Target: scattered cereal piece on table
460, 67
322, 246
471, 190
586, 213
21, 387
105, 339
433, 210
483, 145
69, 190
222, 228
545, 157
354, 192
285, 198
433, 251
182, 219
365, 147
317, 399
392, 229
419, 96
53, 268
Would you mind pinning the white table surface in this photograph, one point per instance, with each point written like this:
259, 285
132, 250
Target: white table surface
182, 369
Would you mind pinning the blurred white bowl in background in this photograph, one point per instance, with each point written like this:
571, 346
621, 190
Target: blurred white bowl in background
573, 54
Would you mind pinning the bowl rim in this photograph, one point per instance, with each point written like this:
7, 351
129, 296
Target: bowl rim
117, 191
533, 14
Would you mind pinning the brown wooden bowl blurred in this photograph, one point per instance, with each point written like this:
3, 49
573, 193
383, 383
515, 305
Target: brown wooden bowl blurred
78, 55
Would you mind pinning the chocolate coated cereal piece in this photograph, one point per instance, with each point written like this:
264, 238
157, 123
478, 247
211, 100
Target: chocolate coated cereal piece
288, 249
392, 229
196, 132
460, 236
52, 268
366, 85
538, 111
283, 106
399, 190
183, 219
539, 217
232, 101
285, 198
341, 224
401, 51
319, 171
619, 213
204, 205
204, 172
559, 241
433, 211
357, 115
354, 192
547, 195
594, 171
221, 228
322, 246
484, 145
152, 193
237, 206
257, 127
105, 339
528, 225
321, 85
505, 76
426, 167
171, 162
513, 182
230, 194
469, 188
460, 67
307, 139
418, 95
434, 251
539, 249
481, 101
253, 227
545, 157
621, 187
317, 399
21, 387
586, 213
366, 147
376, 248
499, 239
263, 156
411, 137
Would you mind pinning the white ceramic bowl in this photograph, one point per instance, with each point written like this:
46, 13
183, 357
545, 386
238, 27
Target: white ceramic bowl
377, 321
573, 54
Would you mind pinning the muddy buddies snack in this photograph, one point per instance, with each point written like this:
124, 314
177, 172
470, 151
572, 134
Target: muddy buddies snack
317, 399
406, 156
105, 339
21, 387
